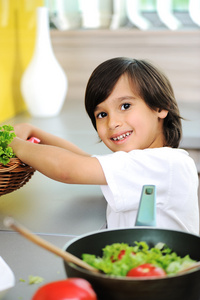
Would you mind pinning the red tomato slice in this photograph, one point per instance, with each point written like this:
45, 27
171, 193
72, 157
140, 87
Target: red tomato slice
146, 270
69, 289
120, 255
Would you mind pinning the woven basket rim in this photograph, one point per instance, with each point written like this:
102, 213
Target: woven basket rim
14, 175
13, 164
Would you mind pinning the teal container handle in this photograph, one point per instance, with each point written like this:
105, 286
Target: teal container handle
146, 215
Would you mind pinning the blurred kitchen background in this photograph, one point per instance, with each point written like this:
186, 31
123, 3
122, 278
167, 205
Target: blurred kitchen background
114, 14
86, 32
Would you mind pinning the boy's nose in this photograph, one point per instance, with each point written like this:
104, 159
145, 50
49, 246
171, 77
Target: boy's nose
114, 122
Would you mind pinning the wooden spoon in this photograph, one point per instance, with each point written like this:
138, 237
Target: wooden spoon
11, 223
196, 265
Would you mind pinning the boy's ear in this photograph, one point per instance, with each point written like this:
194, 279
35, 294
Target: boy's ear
162, 113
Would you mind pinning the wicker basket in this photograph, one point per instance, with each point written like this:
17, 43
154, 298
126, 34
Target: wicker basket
14, 175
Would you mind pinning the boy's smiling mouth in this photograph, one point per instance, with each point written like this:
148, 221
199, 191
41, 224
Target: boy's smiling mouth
121, 136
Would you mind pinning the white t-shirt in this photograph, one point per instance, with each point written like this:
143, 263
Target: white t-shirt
173, 173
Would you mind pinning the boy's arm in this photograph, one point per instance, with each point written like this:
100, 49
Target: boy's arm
60, 164
25, 131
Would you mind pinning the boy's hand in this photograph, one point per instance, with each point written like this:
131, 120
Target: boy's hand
23, 131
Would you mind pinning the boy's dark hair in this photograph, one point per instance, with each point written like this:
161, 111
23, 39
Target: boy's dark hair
150, 84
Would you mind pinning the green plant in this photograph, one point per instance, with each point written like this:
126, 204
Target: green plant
6, 136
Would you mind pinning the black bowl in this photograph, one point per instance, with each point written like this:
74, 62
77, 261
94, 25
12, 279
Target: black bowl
180, 287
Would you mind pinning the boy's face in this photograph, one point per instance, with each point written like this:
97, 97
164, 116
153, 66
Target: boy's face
124, 122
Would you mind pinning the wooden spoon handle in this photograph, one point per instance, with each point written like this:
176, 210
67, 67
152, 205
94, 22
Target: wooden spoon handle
196, 265
11, 223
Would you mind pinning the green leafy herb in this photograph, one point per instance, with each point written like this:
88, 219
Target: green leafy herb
6, 136
160, 255
35, 279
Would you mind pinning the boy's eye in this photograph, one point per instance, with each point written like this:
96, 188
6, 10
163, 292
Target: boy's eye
101, 115
125, 106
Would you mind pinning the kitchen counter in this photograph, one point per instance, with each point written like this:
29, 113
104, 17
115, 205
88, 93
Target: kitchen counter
59, 212
27, 259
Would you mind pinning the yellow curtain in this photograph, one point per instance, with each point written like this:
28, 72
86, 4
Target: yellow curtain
17, 38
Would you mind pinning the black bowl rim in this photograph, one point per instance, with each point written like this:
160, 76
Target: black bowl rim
125, 228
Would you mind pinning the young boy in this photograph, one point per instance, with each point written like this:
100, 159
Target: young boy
132, 106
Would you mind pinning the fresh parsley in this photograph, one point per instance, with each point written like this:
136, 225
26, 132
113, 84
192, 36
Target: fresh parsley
6, 136
35, 279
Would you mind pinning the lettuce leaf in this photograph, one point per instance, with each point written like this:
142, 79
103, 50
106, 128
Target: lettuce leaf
6, 136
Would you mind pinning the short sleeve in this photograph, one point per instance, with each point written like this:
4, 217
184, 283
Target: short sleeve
126, 173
